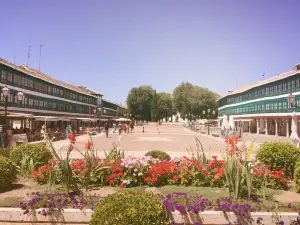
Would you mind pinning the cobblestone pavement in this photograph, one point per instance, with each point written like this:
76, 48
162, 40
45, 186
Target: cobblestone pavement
172, 138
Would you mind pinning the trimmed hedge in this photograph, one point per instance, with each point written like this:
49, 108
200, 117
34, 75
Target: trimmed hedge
130, 206
7, 172
159, 155
5, 152
279, 155
39, 153
297, 176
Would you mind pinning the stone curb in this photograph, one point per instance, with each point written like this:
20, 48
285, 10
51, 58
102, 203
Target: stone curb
76, 216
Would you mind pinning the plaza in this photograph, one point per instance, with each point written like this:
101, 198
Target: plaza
172, 138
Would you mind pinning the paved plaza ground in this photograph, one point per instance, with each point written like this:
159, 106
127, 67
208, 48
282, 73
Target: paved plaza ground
172, 138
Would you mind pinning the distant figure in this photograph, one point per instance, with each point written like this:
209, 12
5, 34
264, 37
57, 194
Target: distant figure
120, 128
143, 130
106, 127
115, 127
132, 127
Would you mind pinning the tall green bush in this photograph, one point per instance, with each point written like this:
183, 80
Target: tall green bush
5, 152
131, 206
159, 155
39, 153
297, 176
279, 155
7, 172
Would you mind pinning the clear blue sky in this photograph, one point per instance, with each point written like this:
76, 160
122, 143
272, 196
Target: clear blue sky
111, 46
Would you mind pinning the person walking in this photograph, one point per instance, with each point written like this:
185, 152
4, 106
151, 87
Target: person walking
143, 130
132, 127
120, 128
106, 127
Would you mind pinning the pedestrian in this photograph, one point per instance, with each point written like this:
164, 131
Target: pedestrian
106, 127
128, 127
120, 128
132, 127
143, 130
115, 127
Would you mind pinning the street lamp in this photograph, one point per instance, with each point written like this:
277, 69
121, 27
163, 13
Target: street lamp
208, 115
6, 93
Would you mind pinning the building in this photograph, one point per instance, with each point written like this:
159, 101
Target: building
49, 98
265, 107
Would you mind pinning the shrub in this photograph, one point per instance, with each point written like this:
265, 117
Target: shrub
279, 155
297, 176
7, 172
159, 155
130, 206
5, 152
39, 153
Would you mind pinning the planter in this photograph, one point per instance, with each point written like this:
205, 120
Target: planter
76, 216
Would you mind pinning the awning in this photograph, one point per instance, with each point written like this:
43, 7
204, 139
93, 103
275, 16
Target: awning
63, 119
45, 118
88, 119
20, 115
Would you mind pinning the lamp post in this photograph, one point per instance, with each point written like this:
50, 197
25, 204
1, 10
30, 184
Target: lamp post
208, 115
6, 93
100, 111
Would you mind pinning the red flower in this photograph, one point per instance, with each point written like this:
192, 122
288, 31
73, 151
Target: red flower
217, 176
147, 179
42, 177
154, 179
176, 177
88, 145
215, 157
122, 185
111, 182
257, 173
72, 138
35, 173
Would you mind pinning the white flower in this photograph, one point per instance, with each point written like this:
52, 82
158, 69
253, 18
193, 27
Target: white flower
124, 181
128, 182
140, 174
134, 174
251, 170
135, 170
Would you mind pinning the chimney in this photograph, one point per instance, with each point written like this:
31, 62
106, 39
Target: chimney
229, 92
298, 66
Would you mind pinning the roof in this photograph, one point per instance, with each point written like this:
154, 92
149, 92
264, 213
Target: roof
260, 83
43, 76
90, 90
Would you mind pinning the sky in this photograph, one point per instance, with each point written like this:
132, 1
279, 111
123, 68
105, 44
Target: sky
111, 46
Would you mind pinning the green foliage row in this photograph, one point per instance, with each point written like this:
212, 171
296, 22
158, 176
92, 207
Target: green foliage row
39, 154
189, 100
279, 155
159, 155
297, 176
7, 172
130, 206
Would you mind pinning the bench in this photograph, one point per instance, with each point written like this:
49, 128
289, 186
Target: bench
215, 135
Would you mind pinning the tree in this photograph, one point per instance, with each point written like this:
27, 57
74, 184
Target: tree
164, 105
191, 100
139, 101
154, 108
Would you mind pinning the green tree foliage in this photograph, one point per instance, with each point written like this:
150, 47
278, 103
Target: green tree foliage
164, 105
190, 100
139, 102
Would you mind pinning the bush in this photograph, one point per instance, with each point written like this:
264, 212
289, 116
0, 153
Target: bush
130, 206
297, 176
279, 155
7, 172
159, 155
39, 153
5, 152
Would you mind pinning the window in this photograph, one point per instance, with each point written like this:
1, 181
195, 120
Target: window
284, 105
293, 85
267, 91
3, 75
279, 105
289, 85
297, 83
263, 107
271, 90
267, 107
271, 106
9, 77
284, 87
279, 87
259, 107
275, 88
275, 106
